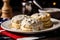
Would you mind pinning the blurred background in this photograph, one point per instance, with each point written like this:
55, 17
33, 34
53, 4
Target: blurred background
16, 4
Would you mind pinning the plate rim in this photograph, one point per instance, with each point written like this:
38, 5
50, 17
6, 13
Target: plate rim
50, 11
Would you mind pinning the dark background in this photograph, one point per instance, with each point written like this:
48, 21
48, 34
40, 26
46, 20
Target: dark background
16, 4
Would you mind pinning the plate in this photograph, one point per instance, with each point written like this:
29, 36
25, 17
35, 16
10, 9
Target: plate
56, 24
50, 10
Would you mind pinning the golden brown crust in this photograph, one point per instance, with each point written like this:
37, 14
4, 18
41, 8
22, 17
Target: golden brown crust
13, 25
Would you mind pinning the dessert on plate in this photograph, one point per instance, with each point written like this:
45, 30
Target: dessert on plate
16, 21
25, 23
44, 17
35, 22
31, 24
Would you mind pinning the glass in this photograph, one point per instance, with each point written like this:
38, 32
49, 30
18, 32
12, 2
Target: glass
26, 7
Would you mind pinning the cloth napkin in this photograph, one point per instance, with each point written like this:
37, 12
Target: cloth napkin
14, 36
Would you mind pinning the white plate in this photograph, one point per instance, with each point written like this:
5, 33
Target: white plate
5, 25
50, 10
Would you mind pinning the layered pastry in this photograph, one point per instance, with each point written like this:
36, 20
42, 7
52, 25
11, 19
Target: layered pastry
16, 21
41, 16
44, 17
31, 24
